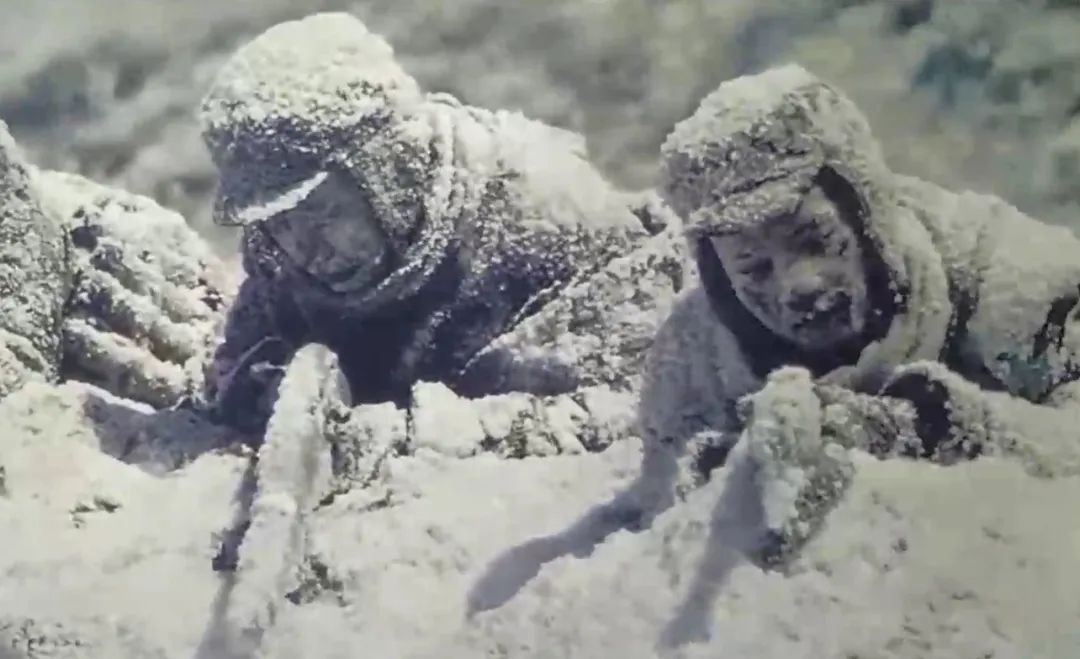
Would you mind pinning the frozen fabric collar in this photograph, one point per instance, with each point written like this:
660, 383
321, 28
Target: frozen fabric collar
424, 229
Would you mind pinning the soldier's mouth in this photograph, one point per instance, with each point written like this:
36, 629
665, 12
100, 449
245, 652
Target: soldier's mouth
344, 278
836, 312
347, 279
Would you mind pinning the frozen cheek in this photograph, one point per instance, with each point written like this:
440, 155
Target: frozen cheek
332, 250
760, 299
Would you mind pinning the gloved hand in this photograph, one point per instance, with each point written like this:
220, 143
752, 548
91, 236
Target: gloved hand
951, 416
243, 397
881, 426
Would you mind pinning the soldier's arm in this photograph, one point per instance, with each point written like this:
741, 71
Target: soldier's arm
956, 420
597, 331
242, 378
1012, 384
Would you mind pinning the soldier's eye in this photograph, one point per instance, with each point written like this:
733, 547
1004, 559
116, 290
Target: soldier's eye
758, 270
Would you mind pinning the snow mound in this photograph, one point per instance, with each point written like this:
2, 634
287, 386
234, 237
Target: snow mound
106, 546
104, 558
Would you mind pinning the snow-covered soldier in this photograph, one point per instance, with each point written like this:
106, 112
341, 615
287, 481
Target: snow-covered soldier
922, 322
482, 287
99, 285
419, 238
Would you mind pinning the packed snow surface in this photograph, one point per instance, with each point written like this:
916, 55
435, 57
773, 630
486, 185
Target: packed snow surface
103, 557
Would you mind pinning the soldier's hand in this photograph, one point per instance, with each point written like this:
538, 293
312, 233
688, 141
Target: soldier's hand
948, 411
881, 426
241, 393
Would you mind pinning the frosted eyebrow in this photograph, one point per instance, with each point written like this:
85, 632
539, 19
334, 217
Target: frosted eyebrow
287, 200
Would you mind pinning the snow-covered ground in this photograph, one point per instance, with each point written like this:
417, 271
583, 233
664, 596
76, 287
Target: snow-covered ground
113, 518
974, 92
102, 558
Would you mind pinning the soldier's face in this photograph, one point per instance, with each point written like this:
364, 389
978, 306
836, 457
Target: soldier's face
329, 231
801, 273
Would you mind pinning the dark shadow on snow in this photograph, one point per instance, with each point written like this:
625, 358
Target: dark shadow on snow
736, 534
633, 509
515, 568
157, 441
217, 640
736, 531
161, 441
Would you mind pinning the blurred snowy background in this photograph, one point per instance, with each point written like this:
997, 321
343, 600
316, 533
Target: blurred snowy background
980, 93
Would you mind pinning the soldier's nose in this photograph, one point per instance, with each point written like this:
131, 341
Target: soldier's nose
806, 289
805, 301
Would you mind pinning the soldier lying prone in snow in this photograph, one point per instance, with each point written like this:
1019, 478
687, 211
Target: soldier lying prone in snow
840, 306
421, 239
879, 311
480, 285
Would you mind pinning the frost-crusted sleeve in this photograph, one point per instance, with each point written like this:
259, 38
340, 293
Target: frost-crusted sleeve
1017, 356
567, 377
1024, 328
596, 332
959, 420
1043, 437
242, 378
694, 376
33, 275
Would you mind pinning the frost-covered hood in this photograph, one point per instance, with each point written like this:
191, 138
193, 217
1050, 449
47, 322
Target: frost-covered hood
326, 94
481, 216
751, 150
443, 179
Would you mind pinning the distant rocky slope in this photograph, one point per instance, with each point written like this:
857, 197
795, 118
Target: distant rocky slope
967, 92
